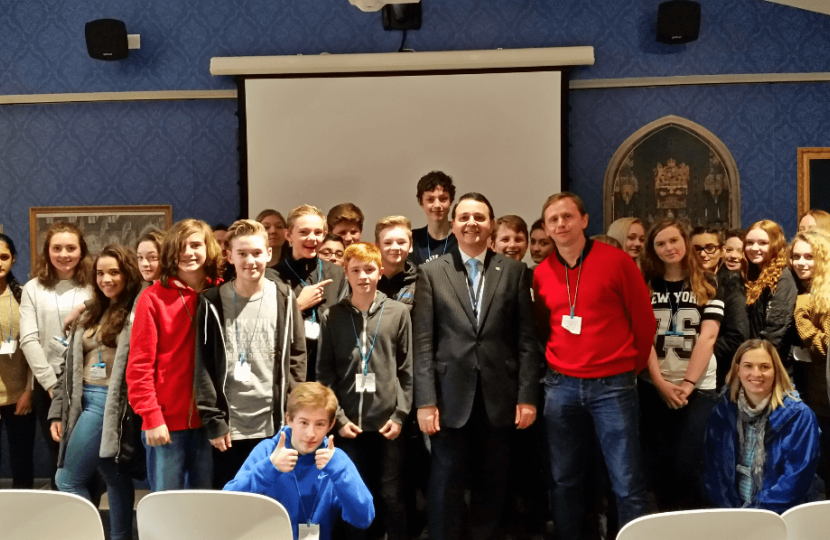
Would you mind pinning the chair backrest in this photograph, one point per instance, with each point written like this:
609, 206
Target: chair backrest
808, 521
37, 514
211, 515
715, 524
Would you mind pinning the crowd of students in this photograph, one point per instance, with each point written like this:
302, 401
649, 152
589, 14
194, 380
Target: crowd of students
660, 358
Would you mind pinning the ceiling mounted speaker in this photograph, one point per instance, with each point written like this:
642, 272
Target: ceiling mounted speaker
106, 39
678, 21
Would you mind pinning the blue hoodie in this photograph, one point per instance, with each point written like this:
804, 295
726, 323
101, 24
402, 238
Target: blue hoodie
792, 451
336, 489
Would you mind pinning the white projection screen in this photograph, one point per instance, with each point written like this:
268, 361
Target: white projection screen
368, 139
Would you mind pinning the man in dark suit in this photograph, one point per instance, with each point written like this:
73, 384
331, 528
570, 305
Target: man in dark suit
476, 371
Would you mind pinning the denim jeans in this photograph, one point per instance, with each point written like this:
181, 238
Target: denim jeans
576, 410
82, 460
186, 462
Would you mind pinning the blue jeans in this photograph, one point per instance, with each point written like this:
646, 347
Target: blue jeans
186, 462
82, 460
576, 410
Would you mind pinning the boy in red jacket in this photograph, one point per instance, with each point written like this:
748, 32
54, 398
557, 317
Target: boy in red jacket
161, 363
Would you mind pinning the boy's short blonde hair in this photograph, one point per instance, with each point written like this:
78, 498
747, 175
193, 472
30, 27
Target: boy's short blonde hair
305, 210
246, 227
311, 395
390, 222
364, 252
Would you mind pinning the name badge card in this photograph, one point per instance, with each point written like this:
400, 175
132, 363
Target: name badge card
309, 531
58, 345
365, 383
572, 324
312, 329
98, 372
675, 341
242, 372
8, 347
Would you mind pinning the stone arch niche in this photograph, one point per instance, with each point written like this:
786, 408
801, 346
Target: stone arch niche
676, 168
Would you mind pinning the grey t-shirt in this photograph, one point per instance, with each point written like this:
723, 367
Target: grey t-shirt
253, 323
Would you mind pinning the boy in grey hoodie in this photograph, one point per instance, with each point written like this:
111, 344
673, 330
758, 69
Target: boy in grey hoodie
365, 356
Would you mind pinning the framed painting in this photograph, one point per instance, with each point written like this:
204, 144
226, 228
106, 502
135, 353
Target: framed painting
101, 225
813, 179
673, 168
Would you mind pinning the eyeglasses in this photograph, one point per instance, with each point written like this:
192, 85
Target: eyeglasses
329, 253
708, 248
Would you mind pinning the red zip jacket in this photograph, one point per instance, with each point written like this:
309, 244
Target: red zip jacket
162, 353
618, 322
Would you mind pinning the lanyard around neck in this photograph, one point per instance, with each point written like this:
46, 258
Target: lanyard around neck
247, 354
57, 305
300, 496
568, 283
319, 279
366, 357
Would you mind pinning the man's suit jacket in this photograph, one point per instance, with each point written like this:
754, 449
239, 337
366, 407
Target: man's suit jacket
451, 348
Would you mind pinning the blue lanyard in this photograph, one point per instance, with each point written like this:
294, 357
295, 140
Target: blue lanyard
300, 497
429, 249
100, 347
247, 354
319, 279
372, 348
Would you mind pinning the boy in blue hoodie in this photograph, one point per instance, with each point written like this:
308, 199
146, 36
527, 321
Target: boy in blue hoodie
301, 468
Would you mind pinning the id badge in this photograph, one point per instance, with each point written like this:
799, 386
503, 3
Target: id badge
98, 372
242, 372
312, 329
365, 383
572, 324
309, 531
8, 347
58, 345
675, 341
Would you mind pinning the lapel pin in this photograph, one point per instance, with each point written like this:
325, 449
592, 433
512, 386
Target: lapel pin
498, 268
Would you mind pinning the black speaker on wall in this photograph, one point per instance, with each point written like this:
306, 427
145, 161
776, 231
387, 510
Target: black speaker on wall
106, 39
678, 21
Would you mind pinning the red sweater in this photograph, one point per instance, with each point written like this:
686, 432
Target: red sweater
618, 323
162, 357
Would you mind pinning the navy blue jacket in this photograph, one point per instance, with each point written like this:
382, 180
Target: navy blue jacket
792, 448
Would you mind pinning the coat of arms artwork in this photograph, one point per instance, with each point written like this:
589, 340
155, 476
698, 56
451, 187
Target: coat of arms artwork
673, 168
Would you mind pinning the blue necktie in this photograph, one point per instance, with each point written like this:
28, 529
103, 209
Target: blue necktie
474, 278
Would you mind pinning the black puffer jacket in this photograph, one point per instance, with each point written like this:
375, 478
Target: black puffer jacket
771, 316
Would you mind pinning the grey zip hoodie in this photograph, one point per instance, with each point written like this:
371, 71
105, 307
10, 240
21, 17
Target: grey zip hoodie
388, 327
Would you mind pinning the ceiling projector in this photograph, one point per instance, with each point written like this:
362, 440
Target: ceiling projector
376, 5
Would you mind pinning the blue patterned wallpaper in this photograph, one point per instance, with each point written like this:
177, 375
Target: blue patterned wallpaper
42, 47
762, 125
181, 153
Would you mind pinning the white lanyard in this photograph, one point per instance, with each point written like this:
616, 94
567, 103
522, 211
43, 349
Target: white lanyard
60, 319
247, 353
568, 283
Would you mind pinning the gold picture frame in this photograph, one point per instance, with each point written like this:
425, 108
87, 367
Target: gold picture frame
101, 225
805, 156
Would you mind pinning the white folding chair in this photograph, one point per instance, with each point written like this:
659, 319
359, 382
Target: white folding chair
28, 514
808, 521
715, 524
211, 515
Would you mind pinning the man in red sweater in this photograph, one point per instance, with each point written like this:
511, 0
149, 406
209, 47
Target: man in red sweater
594, 311
162, 359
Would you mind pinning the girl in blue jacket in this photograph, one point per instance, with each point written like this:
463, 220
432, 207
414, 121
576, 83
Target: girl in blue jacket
762, 442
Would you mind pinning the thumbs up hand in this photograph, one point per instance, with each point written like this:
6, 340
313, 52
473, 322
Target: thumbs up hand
284, 459
323, 455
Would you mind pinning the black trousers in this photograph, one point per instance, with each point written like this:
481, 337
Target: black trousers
226, 464
40, 404
380, 463
480, 454
20, 431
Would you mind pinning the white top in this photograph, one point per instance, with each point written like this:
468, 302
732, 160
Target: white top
42, 312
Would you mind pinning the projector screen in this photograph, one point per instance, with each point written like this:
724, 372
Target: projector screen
369, 139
